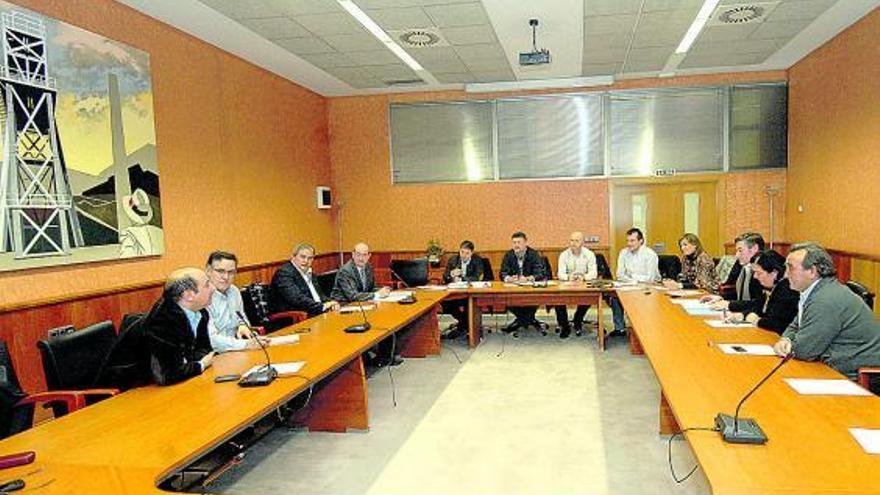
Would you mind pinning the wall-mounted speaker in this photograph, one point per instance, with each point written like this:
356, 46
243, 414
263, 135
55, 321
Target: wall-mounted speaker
325, 200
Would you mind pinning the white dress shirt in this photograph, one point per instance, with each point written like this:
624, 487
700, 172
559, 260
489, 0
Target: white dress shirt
308, 279
576, 264
639, 266
224, 321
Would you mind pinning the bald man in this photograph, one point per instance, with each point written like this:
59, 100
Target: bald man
176, 329
355, 281
576, 264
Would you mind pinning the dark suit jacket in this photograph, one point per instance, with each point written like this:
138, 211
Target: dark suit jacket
348, 286
532, 265
174, 352
755, 290
781, 308
474, 269
290, 292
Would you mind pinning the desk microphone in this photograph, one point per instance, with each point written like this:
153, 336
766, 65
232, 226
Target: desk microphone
262, 376
736, 430
406, 300
359, 327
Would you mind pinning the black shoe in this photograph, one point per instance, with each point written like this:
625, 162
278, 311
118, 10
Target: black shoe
578, 331
564, 333
512, 327
618, 333
396, 360
458, 332
514, 334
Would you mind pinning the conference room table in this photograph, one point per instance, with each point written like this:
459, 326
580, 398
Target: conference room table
810, 449
499, 296
132, 442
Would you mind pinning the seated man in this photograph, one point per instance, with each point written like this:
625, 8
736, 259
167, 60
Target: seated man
463, 267
228, 327
522, 264
294, 289
833, 324
176, 329
636, 263
355, 283
748, 289
575, 263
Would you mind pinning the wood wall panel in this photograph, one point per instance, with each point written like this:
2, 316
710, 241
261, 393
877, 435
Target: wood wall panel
834, 152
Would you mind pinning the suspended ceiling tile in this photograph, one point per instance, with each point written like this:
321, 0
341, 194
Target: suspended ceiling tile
400, 18
611, 7
466, 14
329, 60
301, 7
469, 35
609, 24
276, 27
778, 30
735, 32
601, 69
304, 46
330, 24
238, 9
803, 10
606, 42
353, 42
456, 78
605, 56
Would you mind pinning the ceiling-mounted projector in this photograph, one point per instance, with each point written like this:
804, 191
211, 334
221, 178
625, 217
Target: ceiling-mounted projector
536, 56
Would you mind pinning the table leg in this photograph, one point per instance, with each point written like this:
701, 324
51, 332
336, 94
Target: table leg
600, 324
668, 424
421, 337
475, 329
635, 346
339, 402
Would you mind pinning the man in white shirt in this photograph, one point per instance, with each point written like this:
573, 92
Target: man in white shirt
577, 263
228, 331
636, 263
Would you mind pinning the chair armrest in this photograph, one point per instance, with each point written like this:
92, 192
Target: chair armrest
17, 459
865, 376
726, 289
296, 316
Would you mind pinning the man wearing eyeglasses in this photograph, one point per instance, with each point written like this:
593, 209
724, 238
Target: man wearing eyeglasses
228, 332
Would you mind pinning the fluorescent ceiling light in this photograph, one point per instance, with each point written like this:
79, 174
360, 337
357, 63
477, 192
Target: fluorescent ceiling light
377, 31
697, 26
573, 82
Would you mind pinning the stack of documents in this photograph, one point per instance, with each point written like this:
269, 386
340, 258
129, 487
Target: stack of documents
283, 369
395, 296
284, 340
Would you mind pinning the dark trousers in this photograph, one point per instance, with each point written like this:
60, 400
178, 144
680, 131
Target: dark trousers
458, 310
524, 314
579, 313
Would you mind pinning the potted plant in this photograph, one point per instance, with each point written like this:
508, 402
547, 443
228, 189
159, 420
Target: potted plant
434, 252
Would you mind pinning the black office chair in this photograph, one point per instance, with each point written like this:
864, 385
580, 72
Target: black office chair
326, 281
862, 291
73, 361
603, 270
488, 274
669, 265
17, 407
127, 365
412, 273
256, 299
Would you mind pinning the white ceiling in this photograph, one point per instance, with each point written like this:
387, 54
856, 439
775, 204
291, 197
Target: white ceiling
317, 44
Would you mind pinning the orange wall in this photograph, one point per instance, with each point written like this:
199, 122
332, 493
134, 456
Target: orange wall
834, 142
406, 216
240, 152
748, 205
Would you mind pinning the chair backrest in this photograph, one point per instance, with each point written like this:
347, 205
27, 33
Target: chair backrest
326, 281
862, 291
488, 274
256, 303
12, 419
127, 365
72, 361
602, 268
548, 268
669, 265
412, 273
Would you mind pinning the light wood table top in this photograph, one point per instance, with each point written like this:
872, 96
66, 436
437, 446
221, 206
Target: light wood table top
810, 449
131, 442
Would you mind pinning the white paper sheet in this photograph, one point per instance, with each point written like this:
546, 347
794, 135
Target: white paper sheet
684, 293
703, 311
355, 308
628, 288
283, 369
747, 349
811, 386
868, 439
727, 324
394, 296
690, 303
284, 340
432, 287
481, 285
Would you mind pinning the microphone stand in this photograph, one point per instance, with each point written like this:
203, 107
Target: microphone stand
261, 376
746, 430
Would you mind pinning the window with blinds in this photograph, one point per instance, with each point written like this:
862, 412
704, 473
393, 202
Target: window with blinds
442, 142
595, 134
666, 129
554, 136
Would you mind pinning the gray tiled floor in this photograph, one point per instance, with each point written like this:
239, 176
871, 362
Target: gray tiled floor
544, 416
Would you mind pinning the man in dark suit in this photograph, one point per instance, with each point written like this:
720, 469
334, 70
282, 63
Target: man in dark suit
176, 328
463, 267
355, 280
294, 289
355, 283
748, 289
522, 264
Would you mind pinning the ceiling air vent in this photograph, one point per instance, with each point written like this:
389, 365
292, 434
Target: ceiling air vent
419, 37
744, 13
